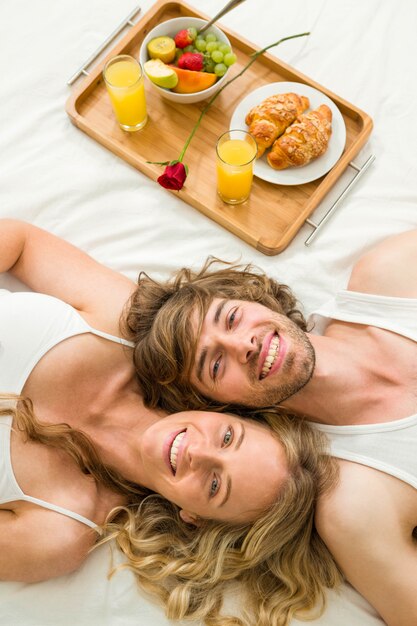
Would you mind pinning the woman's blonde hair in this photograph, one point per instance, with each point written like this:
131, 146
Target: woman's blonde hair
280, 561
159, 316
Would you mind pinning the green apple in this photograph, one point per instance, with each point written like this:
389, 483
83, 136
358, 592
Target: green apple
161, 74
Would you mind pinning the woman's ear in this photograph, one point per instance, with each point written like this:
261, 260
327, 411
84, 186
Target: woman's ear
189, 518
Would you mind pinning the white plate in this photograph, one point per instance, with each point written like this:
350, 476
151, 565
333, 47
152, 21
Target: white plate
318, 167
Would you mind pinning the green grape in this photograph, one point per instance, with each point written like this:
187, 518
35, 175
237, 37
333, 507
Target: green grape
224, 48
211, 46
192, 32
189, 48
211, 37
209, 65
200, 44
178, 53
220, 69
229, 59
217, 56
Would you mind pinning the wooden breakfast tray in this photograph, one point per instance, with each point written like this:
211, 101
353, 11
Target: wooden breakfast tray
274, 213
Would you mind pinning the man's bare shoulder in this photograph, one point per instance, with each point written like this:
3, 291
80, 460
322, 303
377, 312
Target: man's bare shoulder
342, 509
365, 498
389, 269
367, 523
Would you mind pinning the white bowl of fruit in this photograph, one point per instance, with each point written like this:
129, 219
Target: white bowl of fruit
182, 65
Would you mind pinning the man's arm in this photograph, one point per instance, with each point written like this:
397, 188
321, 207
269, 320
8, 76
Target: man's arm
369, 532
389, 269
50, 265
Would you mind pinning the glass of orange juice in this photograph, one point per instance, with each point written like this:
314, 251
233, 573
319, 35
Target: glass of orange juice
123, 76
236, 152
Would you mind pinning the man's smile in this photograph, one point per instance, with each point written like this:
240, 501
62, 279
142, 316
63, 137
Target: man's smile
272, 355
253, 356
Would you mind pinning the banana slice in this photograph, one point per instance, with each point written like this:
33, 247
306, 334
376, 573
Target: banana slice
162, 48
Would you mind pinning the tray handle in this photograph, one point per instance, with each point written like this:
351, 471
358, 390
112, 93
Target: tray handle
126, 22
360, 171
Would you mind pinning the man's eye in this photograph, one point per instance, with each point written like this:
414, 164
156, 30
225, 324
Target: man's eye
228, 437
214, 487
232, 318
216, 368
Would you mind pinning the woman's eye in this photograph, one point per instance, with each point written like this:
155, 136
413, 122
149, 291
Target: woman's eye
214, 487
228, 437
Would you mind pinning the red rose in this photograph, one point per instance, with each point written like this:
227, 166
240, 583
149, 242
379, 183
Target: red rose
173, 176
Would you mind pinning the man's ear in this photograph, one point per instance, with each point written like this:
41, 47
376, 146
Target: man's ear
190, 518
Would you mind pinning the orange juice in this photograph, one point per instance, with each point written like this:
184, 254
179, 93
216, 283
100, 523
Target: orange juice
235, 166
124, 81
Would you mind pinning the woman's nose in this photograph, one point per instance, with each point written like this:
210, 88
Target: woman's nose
200, 456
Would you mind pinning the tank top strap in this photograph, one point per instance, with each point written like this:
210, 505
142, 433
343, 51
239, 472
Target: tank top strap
9, 487
63, 511
120, 340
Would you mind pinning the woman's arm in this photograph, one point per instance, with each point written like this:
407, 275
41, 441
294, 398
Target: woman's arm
367, 524
50, 265
36, 545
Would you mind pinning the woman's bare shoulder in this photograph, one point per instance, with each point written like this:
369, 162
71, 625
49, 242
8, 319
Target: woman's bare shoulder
37, 544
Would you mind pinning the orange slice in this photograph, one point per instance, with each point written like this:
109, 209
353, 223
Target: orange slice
191, 82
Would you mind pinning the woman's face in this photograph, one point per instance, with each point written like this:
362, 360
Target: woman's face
213, 465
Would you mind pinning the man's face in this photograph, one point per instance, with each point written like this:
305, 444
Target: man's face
249, 355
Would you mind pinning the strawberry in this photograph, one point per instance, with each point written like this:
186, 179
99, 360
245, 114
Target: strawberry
191, 61
184, 38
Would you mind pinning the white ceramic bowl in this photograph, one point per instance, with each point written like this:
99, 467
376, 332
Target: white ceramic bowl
170, 28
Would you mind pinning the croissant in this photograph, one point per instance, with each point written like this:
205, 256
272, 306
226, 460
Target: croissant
306, 139
269, 119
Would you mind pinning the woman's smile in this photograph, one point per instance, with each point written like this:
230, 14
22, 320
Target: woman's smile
212, 465
175, 451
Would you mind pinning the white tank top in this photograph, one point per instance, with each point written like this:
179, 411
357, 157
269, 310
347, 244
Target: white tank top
390, 447
30, 325
398, 315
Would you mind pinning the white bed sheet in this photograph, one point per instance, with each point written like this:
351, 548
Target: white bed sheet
58, 178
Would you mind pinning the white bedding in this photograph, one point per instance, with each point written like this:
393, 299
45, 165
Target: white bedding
58, 178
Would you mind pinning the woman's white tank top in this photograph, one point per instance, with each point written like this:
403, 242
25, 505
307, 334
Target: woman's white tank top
30, 325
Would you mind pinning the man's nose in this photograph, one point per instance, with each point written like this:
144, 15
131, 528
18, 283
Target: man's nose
241, 345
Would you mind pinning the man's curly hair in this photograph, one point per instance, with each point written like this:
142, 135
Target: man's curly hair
159, 321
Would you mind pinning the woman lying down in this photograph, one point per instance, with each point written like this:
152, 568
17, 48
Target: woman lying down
82, 459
